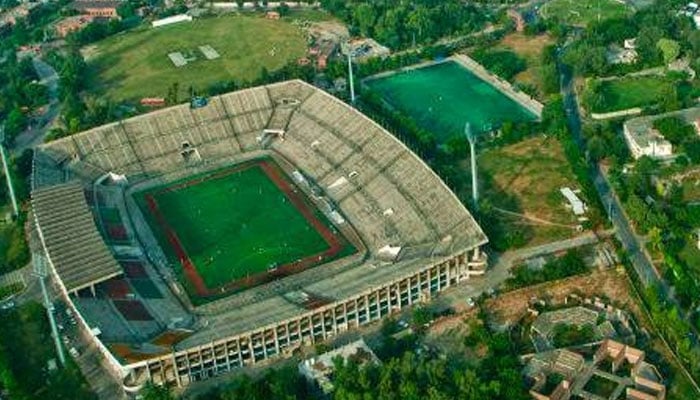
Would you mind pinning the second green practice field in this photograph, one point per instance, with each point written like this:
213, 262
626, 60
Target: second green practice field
232, 225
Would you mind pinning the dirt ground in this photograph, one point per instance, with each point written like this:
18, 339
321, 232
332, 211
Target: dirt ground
508, 308
530, 48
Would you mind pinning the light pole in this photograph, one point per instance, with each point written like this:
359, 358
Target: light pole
41, 272
8, 177
472, 153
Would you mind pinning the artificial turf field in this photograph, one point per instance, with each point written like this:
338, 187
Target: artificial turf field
237, 227
441, 97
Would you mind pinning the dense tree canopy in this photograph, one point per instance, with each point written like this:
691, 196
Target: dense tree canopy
399, 24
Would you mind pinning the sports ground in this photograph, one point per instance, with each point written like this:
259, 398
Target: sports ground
135, 64
238, 227
442, 97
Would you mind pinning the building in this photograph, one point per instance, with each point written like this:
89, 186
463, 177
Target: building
614, 371
644, 140
413, 236
318, 370
97, 8
72, 24
577, 206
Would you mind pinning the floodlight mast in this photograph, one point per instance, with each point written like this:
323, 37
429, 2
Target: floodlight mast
41, 271
472, 155
8, 177
352, 81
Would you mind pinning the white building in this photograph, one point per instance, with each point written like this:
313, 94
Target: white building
643, 140
318, 370
578, 206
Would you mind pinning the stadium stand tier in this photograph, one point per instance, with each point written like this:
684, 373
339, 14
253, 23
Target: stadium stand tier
414, 235
69, 236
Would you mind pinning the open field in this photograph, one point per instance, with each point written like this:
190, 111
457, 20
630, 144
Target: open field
530, 48
583, 12
525, 178
136, 64
441, 97
235, 225
630, 92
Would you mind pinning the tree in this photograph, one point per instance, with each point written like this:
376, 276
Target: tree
418, 20
669, 49
364, 15
15, 123
155, 392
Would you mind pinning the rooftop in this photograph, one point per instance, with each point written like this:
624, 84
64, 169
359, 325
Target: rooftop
70, 237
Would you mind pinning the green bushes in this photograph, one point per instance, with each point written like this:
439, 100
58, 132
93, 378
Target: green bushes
570, 264
503, 63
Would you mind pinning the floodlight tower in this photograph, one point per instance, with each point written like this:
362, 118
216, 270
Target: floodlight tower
41, 271
8, 178
351, 80
472, 155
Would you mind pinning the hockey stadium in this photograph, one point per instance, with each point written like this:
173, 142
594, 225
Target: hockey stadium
190, 242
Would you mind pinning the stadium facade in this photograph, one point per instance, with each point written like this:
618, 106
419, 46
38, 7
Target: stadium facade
414, 237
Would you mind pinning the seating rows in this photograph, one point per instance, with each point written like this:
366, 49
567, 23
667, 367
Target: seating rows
362, 168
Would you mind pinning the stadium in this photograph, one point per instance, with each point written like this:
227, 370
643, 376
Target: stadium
193, 241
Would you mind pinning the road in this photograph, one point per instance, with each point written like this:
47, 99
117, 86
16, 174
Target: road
641, 263
503, 263
41, 125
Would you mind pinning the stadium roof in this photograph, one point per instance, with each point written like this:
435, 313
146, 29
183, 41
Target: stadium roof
69, 235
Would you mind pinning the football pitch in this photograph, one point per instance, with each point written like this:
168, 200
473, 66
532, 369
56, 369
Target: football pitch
238, 227
449, 95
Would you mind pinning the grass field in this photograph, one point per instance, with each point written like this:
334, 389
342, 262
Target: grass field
624, 93
525, 178
582, 12
442, 97
135, 64
530, 48
234, 225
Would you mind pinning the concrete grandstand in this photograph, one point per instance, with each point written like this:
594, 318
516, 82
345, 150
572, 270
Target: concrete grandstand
414, 236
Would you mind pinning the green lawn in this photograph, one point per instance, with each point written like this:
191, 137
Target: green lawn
136, 64
621, 94
525, 178
233, 225
600, 386
582, 12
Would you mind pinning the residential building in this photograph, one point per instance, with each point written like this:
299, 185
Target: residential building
72, 24
319, 370
97, 9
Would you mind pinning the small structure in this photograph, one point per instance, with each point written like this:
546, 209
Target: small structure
72, 24
366, 48
152, 102
643, 140
97, 9
615, 369
274, 15
578, 206
171, 20
209, 52
319, 370
627, 54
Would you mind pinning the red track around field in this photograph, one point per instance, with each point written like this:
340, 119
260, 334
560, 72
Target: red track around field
297, 199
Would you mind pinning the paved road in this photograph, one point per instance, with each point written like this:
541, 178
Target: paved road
41, 125
502, 264
642, 265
